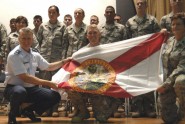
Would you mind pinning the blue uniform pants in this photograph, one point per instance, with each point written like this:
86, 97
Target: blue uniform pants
41, 98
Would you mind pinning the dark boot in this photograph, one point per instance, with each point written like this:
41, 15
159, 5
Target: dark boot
31, 115
11, 118
12, 114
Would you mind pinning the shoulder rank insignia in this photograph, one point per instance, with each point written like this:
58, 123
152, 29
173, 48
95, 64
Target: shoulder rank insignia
17, 52
35, 50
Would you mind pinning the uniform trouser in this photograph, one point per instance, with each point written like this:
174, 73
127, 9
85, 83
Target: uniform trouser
168, 106
103, 106
180, 94
79, 101
41, 98
47, 75
170, 112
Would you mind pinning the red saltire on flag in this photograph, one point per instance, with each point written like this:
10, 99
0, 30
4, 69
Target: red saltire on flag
122, 69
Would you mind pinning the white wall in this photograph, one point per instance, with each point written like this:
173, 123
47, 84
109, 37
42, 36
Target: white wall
30, 8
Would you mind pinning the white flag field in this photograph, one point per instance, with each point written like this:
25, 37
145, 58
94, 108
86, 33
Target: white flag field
122, 69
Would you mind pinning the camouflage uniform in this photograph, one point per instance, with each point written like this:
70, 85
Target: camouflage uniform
165, 22
79, 101
102, 106
136, 26
50, 44
112, 33
3, 37
74, 39
34, 32
12, 42
105, 106
173, 59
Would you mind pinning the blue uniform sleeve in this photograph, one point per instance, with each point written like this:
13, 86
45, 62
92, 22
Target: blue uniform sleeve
42, 63
17, 65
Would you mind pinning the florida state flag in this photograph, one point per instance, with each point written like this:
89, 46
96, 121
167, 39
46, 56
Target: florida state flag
121, 69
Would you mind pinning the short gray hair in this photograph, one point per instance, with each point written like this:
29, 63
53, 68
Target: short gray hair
25, 30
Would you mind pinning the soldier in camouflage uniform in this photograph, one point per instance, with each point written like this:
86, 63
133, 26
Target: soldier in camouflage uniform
142, 23
112, 31
74, 39
74, 35
118, 19
12, 40
3, 37
50, 38
94, 20
68, 20
177, 6
138, 25
173, 59
37, 21
12, 25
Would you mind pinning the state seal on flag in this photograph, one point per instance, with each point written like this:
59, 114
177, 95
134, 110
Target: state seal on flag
93, 76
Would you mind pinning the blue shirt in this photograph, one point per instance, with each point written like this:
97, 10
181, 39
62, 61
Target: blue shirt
19, 62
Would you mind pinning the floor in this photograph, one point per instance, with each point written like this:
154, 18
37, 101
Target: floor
65, 120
